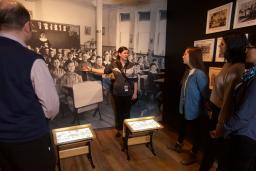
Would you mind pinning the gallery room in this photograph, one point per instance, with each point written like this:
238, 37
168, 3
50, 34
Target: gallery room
120, 85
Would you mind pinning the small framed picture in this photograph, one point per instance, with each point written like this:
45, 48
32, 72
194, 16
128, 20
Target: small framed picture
245, 14
87, 30
207, 47
213, 72
218, 19
219, 54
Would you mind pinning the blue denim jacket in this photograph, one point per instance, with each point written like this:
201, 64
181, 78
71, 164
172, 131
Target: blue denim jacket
196, 92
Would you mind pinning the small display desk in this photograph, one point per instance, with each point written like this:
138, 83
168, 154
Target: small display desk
73, 141
139, 131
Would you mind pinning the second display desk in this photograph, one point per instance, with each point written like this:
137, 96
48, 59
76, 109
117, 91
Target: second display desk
139, 131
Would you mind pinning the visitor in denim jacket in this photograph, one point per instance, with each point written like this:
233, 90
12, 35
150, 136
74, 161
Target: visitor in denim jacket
194, 94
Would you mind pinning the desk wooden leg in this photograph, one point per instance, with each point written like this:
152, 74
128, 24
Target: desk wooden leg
89, 156
151, 144
58, 159
123, 145
126, 143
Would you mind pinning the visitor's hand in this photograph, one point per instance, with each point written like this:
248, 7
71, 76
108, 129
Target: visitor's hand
216, 133
134, 96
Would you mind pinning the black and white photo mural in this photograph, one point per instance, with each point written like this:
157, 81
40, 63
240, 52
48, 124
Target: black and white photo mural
66, 50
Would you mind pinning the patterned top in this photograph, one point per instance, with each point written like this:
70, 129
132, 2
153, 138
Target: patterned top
120, 80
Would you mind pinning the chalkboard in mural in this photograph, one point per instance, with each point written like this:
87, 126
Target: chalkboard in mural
54, 35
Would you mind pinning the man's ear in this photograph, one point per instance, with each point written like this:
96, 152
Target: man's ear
27, 27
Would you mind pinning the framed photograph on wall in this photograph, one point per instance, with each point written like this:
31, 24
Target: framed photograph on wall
218, 19
245, 14
213, 72
207, 47
87, 30
219, 54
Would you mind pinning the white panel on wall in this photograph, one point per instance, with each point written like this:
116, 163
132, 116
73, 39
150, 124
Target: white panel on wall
160, 35
124, 33
143, 36
124, 39
143, 42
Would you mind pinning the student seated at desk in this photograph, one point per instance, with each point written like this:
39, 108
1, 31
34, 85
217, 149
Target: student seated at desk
153, 88
68, 80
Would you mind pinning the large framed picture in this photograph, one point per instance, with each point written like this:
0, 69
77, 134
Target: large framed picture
207, 47
219, 54
213, 72
245, 14
218, 19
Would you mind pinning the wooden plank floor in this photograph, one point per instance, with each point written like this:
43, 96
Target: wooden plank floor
107, 155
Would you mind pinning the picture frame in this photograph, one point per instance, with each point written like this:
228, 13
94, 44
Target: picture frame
245, 13
207, 46
218, 19
87, 30
219, 55
213, 72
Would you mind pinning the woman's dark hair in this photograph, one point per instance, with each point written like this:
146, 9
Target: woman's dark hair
235, 48
196, 58
252, 38
13, 15
120, 50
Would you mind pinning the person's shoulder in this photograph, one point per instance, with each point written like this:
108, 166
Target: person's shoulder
33, 54
236, 70
238, 66
200, 72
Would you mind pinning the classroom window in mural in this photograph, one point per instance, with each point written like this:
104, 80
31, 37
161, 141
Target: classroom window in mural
125, 16
163, 14
144, 16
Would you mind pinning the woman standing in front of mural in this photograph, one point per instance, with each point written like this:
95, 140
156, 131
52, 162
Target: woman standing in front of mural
194, 94
125, 85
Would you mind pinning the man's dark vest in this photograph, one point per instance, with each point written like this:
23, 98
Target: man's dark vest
21, 115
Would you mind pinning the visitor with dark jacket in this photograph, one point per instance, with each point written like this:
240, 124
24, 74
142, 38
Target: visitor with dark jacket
241, 127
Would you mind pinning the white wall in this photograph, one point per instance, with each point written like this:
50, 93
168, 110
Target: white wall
66, 12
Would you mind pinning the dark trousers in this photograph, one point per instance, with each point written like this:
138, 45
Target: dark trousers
122, 110
195, 130
242, 154
215, 148
36, 155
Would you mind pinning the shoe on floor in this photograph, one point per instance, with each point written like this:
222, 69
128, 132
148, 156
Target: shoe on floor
175, 147
190, 160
